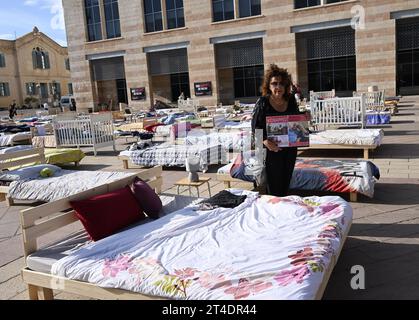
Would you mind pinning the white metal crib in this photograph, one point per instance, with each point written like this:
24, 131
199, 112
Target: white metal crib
94, 130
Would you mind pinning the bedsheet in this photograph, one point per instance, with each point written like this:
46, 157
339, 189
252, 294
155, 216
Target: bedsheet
63, 184
323, 175
266, 248
363, 137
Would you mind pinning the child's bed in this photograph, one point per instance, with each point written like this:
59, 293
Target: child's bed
190, 253
364, 139
352, 177
167, 154
94, 130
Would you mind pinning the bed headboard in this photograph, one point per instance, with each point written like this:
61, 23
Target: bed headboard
19, 158
44, 219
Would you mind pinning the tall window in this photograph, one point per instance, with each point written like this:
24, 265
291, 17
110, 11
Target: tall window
249, 8
337, 73
248, 81
311, 3
4, 89
153, 15
2, 60
175, 16
55, 89
31, 88
40, 59
94, 25
67, 64
180, 83
70, 88
113, 27
222, 10
43, 90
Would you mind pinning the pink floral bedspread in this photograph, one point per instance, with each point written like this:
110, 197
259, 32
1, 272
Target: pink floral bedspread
266, 248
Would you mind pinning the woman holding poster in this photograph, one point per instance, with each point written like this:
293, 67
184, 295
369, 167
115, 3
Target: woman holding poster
277, 100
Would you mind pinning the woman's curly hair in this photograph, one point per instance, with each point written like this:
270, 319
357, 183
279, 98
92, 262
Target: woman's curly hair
286, 80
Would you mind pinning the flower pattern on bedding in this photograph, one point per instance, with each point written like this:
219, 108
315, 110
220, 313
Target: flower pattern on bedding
272, 269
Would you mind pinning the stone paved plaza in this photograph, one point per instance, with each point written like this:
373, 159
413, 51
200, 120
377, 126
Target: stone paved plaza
384, 237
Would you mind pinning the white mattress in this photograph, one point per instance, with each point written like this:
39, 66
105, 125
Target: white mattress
63, 184
362, 137
249, 252
43, 259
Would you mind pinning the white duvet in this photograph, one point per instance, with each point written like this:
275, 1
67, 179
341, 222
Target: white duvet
64, 183
362, 137
232, 140
266, 248
8, 139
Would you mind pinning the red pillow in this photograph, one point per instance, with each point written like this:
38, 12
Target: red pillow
105, 214
146, 198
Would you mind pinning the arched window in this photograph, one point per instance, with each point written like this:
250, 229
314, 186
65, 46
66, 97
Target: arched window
40, 59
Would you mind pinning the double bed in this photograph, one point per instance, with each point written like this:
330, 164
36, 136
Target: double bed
191, 253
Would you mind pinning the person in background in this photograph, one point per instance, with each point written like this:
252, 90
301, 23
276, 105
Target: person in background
73, 105
46, 106
12, 110
277, 100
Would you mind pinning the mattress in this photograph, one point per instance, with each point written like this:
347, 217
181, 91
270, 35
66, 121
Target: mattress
43, 259
167, 154
62, 156
248, 252
326, 175
63, 184
361, 137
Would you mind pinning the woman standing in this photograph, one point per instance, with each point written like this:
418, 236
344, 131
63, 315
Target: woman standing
277, 100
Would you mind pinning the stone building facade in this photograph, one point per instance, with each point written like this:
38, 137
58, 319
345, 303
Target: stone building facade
136, 51
34, 66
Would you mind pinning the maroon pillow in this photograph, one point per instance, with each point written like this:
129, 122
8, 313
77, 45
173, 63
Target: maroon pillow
146, 198
105, 214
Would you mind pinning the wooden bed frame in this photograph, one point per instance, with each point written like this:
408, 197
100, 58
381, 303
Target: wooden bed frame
42, 220
227, 180
366, 149
30, 156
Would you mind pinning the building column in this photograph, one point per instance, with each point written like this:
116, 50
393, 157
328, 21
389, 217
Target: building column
376, 54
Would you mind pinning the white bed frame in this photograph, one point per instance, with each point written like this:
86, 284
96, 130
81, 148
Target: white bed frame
322, 95
373, 100
347, 112
40, 221
99, 126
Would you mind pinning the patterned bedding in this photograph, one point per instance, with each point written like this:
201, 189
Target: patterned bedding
323, 175
232, 140
266, 248
170, 155
362, 137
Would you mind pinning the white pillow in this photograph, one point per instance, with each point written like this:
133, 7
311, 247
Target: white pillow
26, 173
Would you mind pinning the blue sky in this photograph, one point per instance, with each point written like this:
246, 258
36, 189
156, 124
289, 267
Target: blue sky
20, 16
